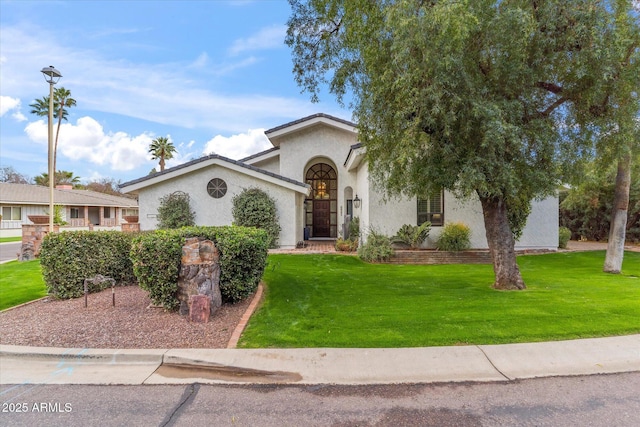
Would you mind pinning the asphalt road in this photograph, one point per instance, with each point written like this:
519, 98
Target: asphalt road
8, 251
600, 400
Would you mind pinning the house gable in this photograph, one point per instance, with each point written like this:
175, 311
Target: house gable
277, 134
207, 162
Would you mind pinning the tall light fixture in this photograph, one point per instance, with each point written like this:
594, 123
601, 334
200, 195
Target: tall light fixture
51, 76
356, 202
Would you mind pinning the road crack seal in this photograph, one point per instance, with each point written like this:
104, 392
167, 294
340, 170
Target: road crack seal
494, 366
187, 397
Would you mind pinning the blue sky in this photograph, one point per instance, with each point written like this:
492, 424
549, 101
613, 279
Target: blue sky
211, 75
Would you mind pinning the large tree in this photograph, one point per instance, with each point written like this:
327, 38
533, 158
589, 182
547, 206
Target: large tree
475, 96
62, 101
161, 148
10, 175
615, 115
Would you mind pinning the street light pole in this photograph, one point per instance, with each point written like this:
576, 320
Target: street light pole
51, 76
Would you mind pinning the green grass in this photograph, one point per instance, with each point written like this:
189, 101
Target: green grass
339, 301
20, 282
10, 239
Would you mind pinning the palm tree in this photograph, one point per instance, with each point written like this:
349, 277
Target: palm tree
63, 98
163, 149
61, 102
61, 177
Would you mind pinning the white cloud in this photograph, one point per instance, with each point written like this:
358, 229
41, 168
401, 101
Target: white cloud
267, 38
167, 93
19, 117
86, 141
7, 104
238, 146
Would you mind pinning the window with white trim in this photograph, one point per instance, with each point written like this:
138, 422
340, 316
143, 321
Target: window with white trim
11, 213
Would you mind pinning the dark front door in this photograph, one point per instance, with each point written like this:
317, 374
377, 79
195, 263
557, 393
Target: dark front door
321, 220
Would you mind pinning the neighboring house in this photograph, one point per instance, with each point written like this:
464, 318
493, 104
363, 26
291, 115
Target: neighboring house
80, 208
317, 174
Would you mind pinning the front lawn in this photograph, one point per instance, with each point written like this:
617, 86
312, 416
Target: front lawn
339, 301
20, 282
10, 239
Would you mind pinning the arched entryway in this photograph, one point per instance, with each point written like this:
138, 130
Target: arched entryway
321, 212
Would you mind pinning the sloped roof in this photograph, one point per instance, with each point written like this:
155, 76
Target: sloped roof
260, 154
204, 162
276, 134
28, 194
310, 118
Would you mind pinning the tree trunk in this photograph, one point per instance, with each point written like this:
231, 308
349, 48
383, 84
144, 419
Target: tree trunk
501, 244
618, 227
55, 149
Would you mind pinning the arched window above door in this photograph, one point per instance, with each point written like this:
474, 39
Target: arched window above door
322, 203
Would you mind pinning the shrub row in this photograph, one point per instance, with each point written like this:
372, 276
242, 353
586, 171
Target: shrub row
152, 258
243, 256
68, 258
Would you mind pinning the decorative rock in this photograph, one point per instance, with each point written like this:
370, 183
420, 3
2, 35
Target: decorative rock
199, 275
27, 251
200, 308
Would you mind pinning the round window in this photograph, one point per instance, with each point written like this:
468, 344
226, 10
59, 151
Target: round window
217, 188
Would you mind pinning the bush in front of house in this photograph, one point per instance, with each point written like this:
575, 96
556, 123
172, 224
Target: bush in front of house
156, 258
455, 236
175, 211
377, 248
157, 255
255, 208
69, 257
564, 235
412, 235
346, 245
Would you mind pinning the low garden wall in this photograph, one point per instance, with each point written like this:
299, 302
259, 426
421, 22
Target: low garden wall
440, 257
434, 257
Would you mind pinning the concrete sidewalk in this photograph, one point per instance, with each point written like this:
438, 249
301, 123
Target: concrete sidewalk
33, 365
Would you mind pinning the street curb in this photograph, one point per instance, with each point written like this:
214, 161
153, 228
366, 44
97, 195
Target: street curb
84, 355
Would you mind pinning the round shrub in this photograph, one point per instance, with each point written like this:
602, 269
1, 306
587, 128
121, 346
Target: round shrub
254, 208
175, 211
564, 235
456, 236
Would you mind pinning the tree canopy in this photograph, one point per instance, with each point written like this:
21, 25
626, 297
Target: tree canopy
163, 149
61, 178
482, 97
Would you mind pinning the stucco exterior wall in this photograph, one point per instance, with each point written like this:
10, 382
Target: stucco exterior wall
272, 164
298, 149
541, 231
319, 144
215, 212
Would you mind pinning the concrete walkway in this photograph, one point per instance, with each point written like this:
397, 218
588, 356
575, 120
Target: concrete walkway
33, 365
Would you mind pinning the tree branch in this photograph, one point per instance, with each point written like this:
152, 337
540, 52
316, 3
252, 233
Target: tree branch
551, 87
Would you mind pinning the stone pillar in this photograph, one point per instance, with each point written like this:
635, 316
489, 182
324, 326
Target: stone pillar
130, 227
32, 235
199, 274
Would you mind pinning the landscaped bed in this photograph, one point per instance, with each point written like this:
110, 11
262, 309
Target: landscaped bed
132, 323
339, 301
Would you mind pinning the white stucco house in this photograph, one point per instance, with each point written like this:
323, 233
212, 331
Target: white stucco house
317, 174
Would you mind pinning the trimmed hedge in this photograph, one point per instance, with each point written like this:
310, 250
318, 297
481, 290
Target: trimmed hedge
67, 258
156, 260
